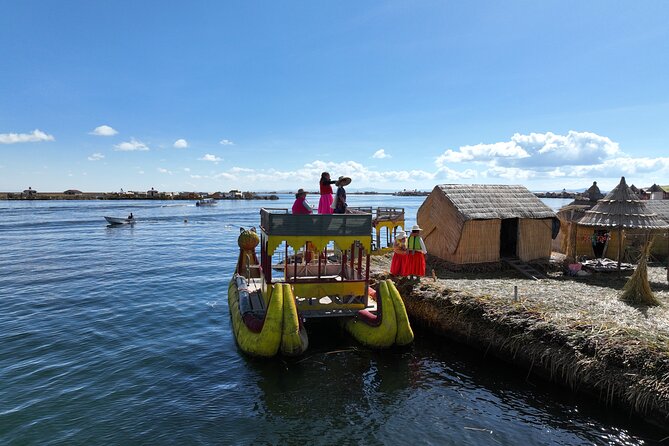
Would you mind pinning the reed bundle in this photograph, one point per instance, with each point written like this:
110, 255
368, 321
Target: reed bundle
637, 289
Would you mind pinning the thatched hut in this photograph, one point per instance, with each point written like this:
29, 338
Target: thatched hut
660, 246
622, 210
466, 224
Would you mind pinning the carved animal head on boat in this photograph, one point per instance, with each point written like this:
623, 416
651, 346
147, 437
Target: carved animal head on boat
248, 239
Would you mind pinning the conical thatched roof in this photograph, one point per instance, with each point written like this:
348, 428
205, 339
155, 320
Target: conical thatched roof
593, 192
659, 207
622, 208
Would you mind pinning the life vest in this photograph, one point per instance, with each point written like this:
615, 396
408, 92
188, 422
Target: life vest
414, 243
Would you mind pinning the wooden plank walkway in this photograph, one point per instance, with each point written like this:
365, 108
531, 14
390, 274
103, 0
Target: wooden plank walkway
524, 268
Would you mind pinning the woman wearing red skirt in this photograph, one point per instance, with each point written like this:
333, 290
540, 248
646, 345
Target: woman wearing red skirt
325, 203
415, 263
397, 265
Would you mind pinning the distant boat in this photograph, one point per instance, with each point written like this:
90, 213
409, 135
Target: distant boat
119, 221
206, 202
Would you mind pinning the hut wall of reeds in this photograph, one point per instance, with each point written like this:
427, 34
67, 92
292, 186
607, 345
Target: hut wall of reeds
468, 224
536, 240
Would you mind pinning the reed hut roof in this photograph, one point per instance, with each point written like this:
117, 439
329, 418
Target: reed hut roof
622, 208
659, 207
656, 188
573, 212
491, 201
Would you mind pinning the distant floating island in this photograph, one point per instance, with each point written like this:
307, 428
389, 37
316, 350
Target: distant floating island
412, 193
73, 194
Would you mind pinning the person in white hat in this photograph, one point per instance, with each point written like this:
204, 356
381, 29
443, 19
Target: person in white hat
398, 263
416, 253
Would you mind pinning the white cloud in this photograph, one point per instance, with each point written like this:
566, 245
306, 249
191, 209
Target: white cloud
36, 136
96, 157
226, 142
103, 130
537, 150
482, 152
212, 158
163, 170
381, 154
131, 146
512, 174
310, 173
180, 144
186, 169
141, 172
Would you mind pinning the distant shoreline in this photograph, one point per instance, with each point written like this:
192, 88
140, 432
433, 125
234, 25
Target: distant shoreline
41, 196
46, 196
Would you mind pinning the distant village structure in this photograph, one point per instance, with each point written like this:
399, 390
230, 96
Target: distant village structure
152, 194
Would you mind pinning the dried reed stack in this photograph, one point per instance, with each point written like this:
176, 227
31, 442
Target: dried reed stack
637, 289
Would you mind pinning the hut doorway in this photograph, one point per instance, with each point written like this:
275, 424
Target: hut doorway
508, 237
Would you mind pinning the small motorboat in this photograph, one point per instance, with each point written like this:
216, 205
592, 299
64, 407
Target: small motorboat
119, 221
206, 202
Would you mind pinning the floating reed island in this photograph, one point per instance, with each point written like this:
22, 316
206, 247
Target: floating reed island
571, 330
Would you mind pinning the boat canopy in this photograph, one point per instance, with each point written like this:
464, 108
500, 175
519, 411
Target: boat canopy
319, 229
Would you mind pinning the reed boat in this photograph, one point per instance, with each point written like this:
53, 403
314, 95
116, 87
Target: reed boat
310, 266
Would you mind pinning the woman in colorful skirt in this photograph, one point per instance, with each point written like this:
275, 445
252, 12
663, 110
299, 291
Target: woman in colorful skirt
325, 203
397, 265
415, 263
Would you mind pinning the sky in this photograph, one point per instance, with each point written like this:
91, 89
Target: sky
264, 96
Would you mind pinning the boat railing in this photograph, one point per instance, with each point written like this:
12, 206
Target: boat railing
333, 225
360, 209
388, 213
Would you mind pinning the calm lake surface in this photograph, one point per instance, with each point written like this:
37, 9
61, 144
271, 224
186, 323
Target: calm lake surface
122, 336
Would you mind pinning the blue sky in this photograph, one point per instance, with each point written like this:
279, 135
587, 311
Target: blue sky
207, 96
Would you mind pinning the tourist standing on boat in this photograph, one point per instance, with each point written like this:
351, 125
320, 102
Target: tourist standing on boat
325, 203
415, 264
340, 205
398, 264
301, 205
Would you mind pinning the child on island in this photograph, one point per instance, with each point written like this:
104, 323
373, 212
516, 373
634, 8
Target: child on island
415, 265
325, 203
398, 263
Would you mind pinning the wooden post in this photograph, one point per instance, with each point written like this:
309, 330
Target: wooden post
575, 241
668, 256
620, 246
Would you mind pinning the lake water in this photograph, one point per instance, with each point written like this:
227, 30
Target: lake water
122, 336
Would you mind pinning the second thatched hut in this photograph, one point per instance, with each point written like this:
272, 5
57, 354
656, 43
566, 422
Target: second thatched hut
467, 224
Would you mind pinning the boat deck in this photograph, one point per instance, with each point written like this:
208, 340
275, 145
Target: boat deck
325, 306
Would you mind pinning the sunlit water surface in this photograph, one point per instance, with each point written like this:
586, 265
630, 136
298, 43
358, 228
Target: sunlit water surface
121, 335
